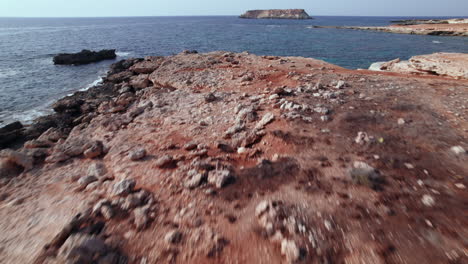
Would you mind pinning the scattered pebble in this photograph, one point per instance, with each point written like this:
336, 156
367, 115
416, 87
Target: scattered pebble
173, 237
124, 187
458, 150
340, 85
220, 178
428, 200
241, 150
84, 181
164, 161
290, 250
137, 154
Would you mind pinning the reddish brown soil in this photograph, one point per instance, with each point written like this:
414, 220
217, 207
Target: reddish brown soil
309, 171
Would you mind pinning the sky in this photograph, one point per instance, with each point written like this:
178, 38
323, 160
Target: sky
104, 8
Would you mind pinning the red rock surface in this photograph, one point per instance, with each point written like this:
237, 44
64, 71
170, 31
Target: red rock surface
235, 158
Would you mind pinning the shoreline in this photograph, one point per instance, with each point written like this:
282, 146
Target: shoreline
51, 116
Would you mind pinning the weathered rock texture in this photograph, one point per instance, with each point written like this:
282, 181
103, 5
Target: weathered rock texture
84, 57
276, 14
442, 64
236, 158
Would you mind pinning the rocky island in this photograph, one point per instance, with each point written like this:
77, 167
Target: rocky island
228, 157
452, 27
276, 14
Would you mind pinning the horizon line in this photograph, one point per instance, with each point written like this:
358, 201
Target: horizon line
142, 16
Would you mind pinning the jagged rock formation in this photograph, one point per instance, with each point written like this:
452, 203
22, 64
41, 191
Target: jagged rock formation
84, 57
235, 158
276, 14
442, 64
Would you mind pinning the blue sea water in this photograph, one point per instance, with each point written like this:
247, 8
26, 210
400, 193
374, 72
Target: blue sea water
29, 82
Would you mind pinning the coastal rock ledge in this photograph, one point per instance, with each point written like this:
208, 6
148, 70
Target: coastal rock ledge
276, 14
84, 57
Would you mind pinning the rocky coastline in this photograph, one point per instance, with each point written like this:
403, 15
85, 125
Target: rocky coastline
276, 14
231, 157
454, 65
455, 27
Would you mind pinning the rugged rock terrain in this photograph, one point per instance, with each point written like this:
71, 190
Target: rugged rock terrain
84, 57
441, 64
441, 29
236, 158
431, 21
277, 14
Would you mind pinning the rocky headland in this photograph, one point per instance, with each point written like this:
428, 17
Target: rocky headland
84, 57
276, 14
430, 21
236, 158
453, 65
455, 27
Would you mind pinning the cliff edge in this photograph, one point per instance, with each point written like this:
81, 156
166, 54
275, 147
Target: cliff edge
276, 14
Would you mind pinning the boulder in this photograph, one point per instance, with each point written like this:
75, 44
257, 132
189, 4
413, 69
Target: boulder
82, 248
84, 57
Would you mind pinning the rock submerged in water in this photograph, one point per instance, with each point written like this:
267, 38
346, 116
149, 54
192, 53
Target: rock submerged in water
277, 14
84, 57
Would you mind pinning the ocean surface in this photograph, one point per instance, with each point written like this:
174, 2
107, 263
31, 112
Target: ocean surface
30, 83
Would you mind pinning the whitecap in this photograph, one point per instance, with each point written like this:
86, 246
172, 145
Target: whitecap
122, 54
436, 42
7, 73
94, 83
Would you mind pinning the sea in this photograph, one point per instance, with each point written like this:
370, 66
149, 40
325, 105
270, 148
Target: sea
30, 82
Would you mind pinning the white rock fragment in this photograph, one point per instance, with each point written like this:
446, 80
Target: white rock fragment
362, 138
290, 250
241, 150
266, 119
401, 121
340, 85
458, 150
273, 97
428, 200
460, 186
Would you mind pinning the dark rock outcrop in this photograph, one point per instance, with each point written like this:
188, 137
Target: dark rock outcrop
277, 14
10, 133
84, 57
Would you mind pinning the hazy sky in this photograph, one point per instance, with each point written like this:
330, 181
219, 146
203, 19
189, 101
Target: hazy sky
79, 8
